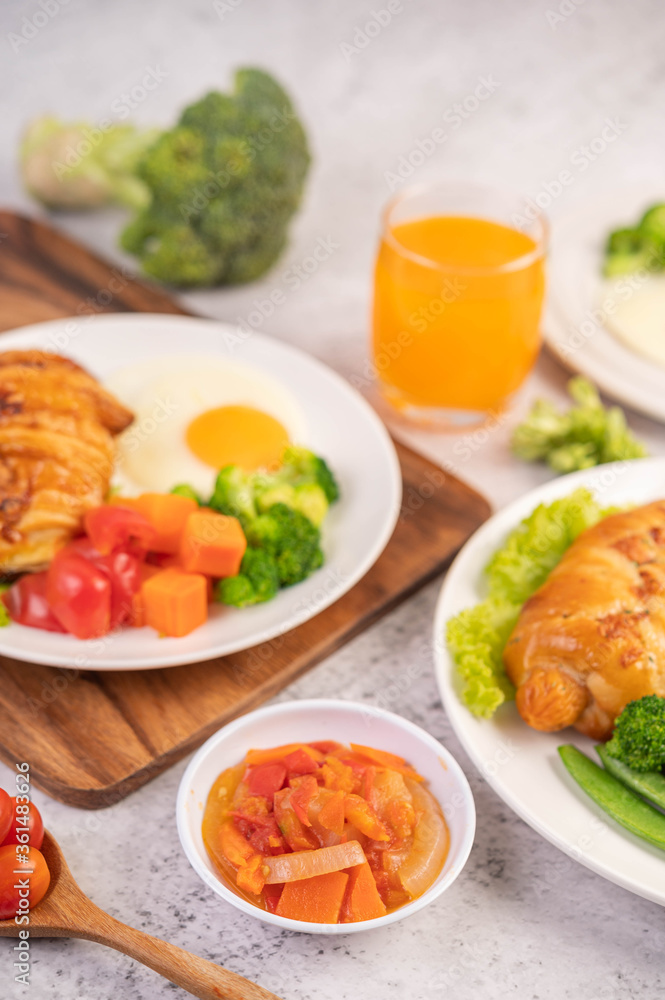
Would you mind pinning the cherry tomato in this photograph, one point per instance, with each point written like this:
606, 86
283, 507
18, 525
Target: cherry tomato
22, 823
123, 570
79, 594
5, 814
33, 872
110, 527
27, 604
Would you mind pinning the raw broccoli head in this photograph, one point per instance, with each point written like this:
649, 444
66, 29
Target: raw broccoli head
308, 498
258, 581
225, 183
639, 736
291, 539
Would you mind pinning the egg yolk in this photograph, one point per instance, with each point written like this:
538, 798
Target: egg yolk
237, 435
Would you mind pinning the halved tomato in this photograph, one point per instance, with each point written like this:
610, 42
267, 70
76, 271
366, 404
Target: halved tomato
110, 527
27, 603
79, 594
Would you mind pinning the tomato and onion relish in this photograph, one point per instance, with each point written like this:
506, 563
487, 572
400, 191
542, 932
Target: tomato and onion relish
325, 833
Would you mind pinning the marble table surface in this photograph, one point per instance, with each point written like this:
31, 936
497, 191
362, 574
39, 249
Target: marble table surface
522, 920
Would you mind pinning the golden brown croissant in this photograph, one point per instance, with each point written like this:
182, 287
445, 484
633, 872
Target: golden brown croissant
592, 638
56, 453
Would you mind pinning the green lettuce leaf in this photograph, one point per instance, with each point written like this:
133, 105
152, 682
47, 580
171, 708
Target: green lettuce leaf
584, 436
477, 636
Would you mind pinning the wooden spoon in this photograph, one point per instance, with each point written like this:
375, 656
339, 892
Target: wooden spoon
66, 911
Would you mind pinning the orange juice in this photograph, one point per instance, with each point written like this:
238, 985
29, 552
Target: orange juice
456, 311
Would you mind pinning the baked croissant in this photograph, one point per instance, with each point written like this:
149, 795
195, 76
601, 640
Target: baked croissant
592, 638
56, 453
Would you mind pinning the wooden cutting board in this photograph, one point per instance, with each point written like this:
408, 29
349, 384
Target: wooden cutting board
92, 737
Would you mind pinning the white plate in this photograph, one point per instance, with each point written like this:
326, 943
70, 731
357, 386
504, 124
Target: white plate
520, 764
577, 289
341, 426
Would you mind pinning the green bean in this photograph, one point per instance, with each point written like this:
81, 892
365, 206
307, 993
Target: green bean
615, 799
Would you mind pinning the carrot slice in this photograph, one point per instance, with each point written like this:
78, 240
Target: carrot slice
234, 846
386, 759
212, 543
316, 900
280, 753
175, 603
362, 900
331, 814
307, 864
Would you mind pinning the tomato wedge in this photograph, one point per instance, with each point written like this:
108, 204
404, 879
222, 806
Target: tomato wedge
79, 595
110, 527
27, 603
123, 569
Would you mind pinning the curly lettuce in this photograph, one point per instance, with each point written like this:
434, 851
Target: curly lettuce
477, 636
585, 435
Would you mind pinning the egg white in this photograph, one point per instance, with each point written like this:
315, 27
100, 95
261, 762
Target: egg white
165, 395
639, 320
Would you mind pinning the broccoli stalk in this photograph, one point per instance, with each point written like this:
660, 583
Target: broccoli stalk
79, 166
215, 194
639, 735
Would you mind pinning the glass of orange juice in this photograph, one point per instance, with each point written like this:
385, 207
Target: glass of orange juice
458, 295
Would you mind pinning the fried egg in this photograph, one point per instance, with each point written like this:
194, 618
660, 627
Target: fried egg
193, 415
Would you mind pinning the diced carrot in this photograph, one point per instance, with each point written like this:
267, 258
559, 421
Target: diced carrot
306, 864
317, 900
234, 846
280, 753
137, 611
331, 815
175, 603
359, 812
386, 759
212, 543
362, 900
251, 875
167, 513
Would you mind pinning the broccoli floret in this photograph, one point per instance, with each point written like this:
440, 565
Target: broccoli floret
300, 465
225, 183
185, 490
258, 581
639, 736
291, 539
275, 492
311, 500
652, 224
234, 494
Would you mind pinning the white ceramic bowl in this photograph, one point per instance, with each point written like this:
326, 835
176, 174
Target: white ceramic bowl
346, 722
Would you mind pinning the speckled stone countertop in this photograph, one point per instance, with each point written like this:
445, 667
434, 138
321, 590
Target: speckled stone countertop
523, 920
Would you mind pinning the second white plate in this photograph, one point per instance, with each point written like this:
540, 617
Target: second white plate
523, 765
